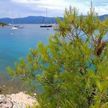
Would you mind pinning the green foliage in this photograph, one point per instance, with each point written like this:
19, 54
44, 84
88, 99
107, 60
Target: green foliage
72, 69
2, 24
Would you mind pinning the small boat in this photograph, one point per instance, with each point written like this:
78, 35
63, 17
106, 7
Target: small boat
14, 28
45, 26
17, 27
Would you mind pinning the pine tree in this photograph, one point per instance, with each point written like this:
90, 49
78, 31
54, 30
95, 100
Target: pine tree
72, 70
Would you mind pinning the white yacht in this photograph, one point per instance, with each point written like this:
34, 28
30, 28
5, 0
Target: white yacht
14, 28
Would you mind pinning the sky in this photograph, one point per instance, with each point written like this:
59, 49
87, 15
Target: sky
23, 8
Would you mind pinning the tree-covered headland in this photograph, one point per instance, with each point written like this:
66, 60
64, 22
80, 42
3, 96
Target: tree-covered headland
72, 70
3, 24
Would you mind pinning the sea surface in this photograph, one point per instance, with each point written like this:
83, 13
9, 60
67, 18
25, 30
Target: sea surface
15, 44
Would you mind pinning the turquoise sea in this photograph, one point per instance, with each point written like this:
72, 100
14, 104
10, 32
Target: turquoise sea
15, 44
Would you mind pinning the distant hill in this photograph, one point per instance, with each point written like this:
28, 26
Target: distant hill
103, 17
30, 20
36, 20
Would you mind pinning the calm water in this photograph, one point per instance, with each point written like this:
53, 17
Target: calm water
15, 44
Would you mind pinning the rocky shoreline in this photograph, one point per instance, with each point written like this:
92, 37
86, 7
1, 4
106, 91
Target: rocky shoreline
18, 100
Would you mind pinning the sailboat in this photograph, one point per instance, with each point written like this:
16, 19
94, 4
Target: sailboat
46, 25
13, 26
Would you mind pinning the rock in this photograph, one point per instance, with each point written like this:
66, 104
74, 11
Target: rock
19, 105
2, 98
5, 102
19, 100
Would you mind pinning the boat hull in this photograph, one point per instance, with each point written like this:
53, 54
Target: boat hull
46, 26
